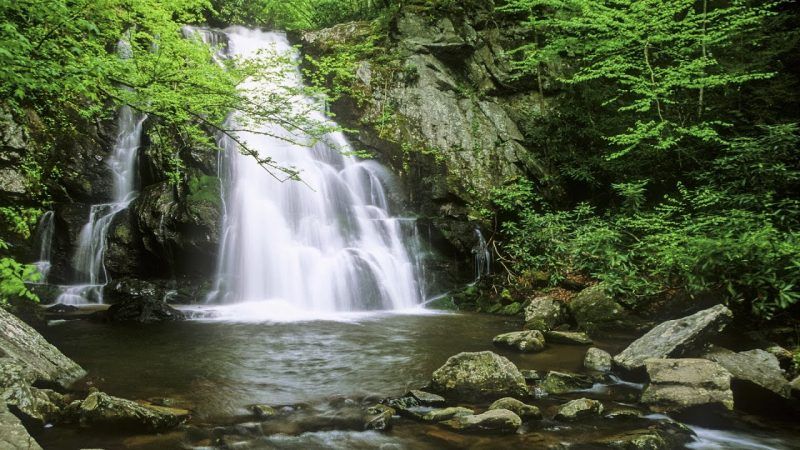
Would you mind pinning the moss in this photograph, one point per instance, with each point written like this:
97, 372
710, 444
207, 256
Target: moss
203, 189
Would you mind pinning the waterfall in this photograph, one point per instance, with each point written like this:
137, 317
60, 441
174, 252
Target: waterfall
483, 257
88, 257
325, 244
44, 239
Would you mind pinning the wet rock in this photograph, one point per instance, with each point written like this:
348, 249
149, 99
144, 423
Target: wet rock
263, 411
597, 360
379, 418
795, 384
581, 408
594, 310
754, 372
426, 398
144, 310
531, 375
478, 375
562, 382
102, 410
494, 421
662, 436
544, 313
675, 338
13, 435
567, 337
524, 341
624, 414
23, 344
41, 405
61, 309
440, 415
680, 384
524, 411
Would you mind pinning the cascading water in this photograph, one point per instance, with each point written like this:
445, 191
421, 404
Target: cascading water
88, 258
327, 244
44, 238
483, 258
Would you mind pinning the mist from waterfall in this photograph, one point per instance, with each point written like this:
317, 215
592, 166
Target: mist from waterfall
326, 244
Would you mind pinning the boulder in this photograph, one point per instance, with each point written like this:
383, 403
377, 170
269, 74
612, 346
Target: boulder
581, 408
13, 435
567, 337
378, 417
440, 415
524, 341
478, 375
680, 384
494, 421
562, 382
544, 313
665, 435
594, 310
754, 371
23, 344
426, 398
530, 375
102, 410
597, 360
523, 410
144, 310
675, 338
41, 405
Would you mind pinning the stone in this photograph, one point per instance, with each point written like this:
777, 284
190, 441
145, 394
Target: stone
597, 360
143, 310
562, 382
379, 417
41, 405
524, 411
795, 384
675, 338
624, 414
426, 398
531, 375
578, 409
23, 344
567, 337
476, 375
524, 341
13, 435
544, 313
665, 435
755, 371
263, 411
594, 310
102, 410
493, 421
680, 384
440, 415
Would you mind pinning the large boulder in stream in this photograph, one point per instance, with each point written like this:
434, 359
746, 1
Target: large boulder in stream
524, 341
544, 313
597, 360
523, 410
471, 376
678, 385
562, 382
675, 338
595, 310
102, 410
13, 435
578, 409
755, 372
492, 421
46, 363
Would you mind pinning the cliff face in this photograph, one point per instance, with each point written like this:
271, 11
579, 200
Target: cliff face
437, 102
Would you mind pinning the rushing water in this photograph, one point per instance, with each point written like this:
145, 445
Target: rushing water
325, 244
44, 242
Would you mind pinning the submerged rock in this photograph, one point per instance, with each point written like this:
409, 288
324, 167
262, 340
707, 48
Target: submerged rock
562, 382
524, 341
597, 360
594, 310
478, 375
754, 372
581, 408
680, 384
496, 420
23, 344
379, 418
567, 337
440, 415
102, 410
13, 435
666, 435
675, 338
143, 310
544, 313
524, 411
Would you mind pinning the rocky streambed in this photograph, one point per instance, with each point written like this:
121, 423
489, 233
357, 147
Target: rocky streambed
427, 380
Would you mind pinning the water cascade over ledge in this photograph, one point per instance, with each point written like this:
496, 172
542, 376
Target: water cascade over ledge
326, 244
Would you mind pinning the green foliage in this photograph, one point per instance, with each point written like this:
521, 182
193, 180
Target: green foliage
299, 14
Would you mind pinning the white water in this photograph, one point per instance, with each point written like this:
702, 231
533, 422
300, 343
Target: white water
483, 258
325, 245
88, 260
44, 238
